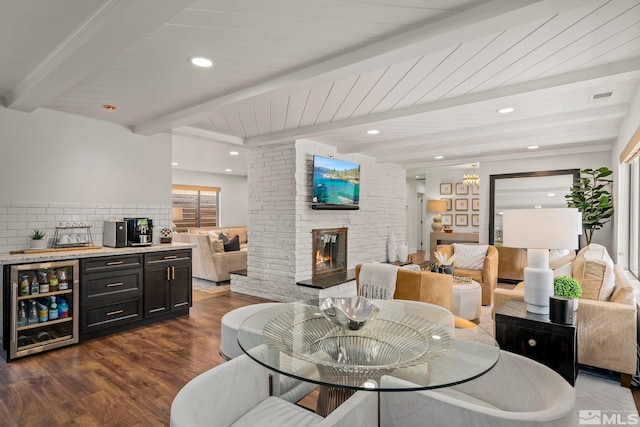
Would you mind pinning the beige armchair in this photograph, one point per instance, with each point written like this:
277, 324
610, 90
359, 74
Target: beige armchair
487, 277
424, 286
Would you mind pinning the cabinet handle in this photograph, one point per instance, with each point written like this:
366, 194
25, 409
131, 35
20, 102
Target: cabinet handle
168, 274
111, 313
111, 285
173, 271
171, 257
115, 263
14, 311
532, 342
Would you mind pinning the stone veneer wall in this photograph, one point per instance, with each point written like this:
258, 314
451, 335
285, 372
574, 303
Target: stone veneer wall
281, 218
19, 219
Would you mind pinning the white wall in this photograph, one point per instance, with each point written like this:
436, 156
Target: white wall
233, 193
58, 167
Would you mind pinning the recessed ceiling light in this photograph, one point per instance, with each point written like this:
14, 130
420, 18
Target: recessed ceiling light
417, 176
227, 170
439, 157
109, 107
506, 110
174, 164
201, 61
233, 153
551, 194
373, 132
532, 147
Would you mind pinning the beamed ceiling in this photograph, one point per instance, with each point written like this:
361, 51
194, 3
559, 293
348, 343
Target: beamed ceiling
430, 75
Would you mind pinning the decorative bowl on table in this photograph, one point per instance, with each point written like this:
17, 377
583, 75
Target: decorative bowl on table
349, 313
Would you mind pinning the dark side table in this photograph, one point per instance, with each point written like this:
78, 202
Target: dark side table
536, 337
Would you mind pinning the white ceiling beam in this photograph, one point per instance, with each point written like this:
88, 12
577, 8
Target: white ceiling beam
114, 26
418, 167
430, 37
625, 69
208, 135
542, 122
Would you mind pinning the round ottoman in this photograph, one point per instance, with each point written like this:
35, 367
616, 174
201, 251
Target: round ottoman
467, 300
230, 323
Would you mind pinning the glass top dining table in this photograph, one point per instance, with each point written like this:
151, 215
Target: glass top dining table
420, 343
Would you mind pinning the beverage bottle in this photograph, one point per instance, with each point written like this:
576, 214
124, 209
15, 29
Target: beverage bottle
62, 280
53, 309
53, 281
24, 284
44, 285
43, 313
63, 308
22, 315
33, 314
35, 286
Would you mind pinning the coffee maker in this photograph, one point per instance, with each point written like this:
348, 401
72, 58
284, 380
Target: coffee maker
139, 231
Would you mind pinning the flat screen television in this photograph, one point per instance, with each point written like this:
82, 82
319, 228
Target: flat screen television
336, 184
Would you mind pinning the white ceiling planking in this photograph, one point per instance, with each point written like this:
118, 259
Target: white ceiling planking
334, 100
315, 102
296, 104
279, 106
355, 94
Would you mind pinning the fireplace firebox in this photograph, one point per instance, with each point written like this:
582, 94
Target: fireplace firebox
329, 251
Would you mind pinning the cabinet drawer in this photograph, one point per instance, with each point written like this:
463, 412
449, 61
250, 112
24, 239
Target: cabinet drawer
111, 263
110, 315
168, 256
109, 284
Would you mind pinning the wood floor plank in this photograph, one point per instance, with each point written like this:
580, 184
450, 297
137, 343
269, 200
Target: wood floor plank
126, 379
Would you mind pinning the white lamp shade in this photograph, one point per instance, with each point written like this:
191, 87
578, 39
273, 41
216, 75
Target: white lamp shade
541, 228
436, 206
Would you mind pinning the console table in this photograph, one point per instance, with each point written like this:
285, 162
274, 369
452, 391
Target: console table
442, 238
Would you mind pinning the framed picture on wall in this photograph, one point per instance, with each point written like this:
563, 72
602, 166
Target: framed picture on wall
447, 219
448, 201
461, 189
475, 189
462, 220
462, 204
475, 204
475, 220
446, 188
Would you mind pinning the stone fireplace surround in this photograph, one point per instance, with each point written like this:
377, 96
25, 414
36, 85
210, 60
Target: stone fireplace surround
280, 219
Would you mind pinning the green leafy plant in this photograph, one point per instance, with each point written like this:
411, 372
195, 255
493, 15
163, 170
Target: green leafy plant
591, 196
37, 235
565, 286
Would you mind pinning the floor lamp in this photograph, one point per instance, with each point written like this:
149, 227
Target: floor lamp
436, 206
539, 230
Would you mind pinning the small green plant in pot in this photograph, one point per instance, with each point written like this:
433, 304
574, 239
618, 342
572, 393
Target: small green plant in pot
36, 239
565, 286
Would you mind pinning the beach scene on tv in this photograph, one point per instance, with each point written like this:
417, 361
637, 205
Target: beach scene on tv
335, 181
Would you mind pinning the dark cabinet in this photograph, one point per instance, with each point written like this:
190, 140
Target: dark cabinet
534, 336
167, 282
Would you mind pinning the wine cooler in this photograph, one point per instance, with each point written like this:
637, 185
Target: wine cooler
41, 307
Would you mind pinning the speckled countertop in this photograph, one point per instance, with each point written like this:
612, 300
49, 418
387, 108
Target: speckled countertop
88, 253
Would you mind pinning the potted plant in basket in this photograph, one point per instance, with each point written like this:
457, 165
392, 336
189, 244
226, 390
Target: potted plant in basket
36, 239
565, 286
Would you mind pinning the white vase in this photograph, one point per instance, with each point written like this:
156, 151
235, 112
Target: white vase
37, 244
403, 252
391, 248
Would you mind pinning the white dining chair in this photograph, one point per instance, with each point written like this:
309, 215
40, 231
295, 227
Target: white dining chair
236, 393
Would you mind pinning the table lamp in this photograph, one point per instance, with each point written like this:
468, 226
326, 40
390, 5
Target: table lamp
539, 230
437, 206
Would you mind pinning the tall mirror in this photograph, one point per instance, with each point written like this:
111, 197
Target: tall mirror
545, 189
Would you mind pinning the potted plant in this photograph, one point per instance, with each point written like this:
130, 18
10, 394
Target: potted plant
565, 286
592, 197
36, 239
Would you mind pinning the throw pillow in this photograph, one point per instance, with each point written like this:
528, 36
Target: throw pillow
564, 270
593, 269
232, 244
557, 260
470, 257
217, 245
222, 237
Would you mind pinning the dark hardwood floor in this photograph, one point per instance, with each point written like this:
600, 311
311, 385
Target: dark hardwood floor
127, 379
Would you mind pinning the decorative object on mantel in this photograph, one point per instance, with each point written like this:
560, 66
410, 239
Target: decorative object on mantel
349, 313
392, 253
36, 239
445, 263
591, 197
403, 252
471, 179
436, 206
539, 230
165, 235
